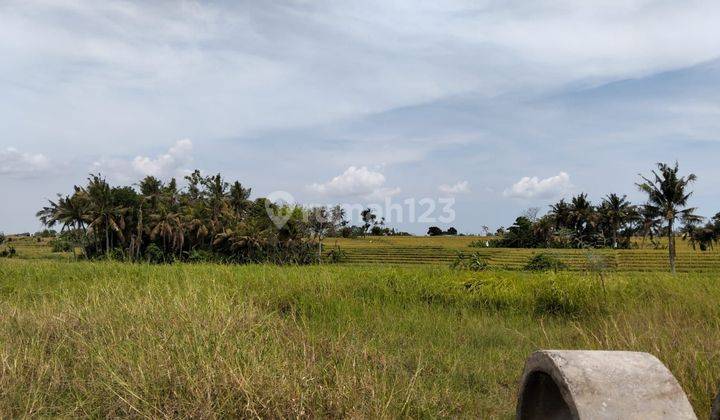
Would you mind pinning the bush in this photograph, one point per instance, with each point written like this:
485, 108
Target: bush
434, 231
544, 262
200, 256
335, 255
9, 252
472, 262
60, 245
2, 238
154, 255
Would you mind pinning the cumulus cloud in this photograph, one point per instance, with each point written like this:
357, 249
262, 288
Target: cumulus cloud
166, 164
461, 187
534, 187
172, 163
356, 182
20, 164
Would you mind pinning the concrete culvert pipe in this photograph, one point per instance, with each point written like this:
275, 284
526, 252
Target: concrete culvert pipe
579, 384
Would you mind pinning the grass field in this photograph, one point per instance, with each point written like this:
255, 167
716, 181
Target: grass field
112, 339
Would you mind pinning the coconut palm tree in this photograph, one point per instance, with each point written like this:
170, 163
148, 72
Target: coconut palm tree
560, 212
104, 214
668, 195
616, 212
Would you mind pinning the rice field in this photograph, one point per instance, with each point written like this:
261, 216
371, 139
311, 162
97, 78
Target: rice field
443, 250
109, 339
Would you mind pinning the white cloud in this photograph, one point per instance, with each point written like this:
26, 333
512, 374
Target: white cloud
383, 193
461, 187
166, 164
540, 188
19, 164
170, 164
356, 182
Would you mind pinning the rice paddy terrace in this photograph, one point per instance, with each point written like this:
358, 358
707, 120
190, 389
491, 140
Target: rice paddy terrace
443, 250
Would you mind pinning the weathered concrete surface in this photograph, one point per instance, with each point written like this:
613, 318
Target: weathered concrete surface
715, 414
579, 384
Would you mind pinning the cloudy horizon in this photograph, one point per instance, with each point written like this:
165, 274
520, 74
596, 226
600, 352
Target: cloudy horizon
500, 105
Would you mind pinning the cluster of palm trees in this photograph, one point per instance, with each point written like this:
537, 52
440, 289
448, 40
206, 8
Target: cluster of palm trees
157, 221
615, 221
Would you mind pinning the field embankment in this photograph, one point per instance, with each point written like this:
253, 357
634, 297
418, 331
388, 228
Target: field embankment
114, 339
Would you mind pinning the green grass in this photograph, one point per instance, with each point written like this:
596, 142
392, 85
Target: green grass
112, 339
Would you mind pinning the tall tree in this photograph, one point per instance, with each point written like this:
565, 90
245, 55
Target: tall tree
102, 209
668, 195
616, 212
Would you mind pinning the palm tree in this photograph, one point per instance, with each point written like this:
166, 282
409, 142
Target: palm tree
169, 227
582, 218
239, 198
560, 212
617, 211
103, 212
668, 196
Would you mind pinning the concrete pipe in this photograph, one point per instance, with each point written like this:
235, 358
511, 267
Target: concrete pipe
579, 384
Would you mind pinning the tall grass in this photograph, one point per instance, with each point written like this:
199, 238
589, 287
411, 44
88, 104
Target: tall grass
112, 339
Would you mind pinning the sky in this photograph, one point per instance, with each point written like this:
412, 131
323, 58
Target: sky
490, 106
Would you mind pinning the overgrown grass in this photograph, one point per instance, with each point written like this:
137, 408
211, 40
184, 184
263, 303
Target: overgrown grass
112, 339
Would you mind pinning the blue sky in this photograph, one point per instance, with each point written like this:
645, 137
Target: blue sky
502, 105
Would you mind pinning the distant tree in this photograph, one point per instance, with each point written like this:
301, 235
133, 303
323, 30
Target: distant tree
337, 215
486, 230
434, 231
451, 231
668, 195
2, 238
320, 223
531, 213
368, 218
616, 211
560, 213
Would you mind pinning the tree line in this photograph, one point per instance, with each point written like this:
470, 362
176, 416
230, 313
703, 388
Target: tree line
209, 219
615, 221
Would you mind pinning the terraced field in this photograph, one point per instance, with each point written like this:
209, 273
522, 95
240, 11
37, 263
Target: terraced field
418, 250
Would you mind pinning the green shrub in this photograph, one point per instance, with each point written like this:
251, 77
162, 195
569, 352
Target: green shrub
544, 262
335, 255
154, 254
472, 262
61, 245
201, 256
9, 252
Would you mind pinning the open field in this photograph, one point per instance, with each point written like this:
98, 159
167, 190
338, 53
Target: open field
443, 250
115, 339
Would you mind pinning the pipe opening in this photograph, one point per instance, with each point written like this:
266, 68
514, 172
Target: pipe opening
541, 399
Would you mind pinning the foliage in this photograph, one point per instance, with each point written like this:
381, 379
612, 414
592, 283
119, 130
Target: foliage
472, 262
61, 245
668, 195
336, 255
46, 233
434, 231
2, 238
544, 262
575, 224
9, 252
160, 223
